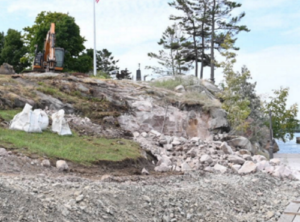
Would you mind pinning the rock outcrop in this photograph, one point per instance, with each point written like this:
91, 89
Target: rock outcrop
6, 69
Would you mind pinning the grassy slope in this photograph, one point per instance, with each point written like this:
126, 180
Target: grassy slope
75, 148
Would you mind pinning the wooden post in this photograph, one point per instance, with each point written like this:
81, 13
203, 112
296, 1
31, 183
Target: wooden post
271, 136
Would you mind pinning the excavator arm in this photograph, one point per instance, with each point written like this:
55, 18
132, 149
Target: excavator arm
52, 58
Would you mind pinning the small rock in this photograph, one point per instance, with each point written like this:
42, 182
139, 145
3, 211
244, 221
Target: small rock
144, 134
206, 159
244, 152
247, 157
46, 163
79, 198
147, 198
155, 133
136, 134
185, 167
262, 165
209, 169
176, 141
168, 147
62, 165
106, 177
235, 167
226, 148
270, 214
220, 168
3, 152
236, 159
145, 172
248, 167
275, 162
179, 89
162, 168
258, 158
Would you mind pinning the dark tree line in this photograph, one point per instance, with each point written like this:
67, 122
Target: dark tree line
204, 25
18, 50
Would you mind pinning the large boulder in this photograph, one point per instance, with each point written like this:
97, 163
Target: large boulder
218, 119
6, 69
242, 143
210, 86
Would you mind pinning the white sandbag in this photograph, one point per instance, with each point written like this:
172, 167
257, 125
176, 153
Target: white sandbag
59, 124
30, 121
34, 126
25, 121
43, 119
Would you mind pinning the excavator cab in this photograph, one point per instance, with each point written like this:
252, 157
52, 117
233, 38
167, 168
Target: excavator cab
59, 57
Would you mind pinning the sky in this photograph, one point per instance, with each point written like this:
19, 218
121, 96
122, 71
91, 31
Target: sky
131, 29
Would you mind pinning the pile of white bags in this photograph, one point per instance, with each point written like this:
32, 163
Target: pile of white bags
30, 121
36, 121
59, 124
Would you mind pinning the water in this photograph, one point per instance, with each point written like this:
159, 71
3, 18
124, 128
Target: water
290, 146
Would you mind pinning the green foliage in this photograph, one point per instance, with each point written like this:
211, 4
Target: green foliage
168, 84
67, 34
1, 45
13, 50
172, 57
234, 102
102, 75
106, 62
82, 63
283, 119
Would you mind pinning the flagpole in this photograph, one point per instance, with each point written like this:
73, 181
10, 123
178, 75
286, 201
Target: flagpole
94, 38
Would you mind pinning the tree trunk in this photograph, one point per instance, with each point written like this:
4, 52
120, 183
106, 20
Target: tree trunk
196, 51
212, 59
203, 42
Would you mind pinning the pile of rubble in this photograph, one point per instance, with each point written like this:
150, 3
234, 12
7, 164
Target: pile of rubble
181, 154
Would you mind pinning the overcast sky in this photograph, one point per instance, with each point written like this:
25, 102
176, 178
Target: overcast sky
132, 28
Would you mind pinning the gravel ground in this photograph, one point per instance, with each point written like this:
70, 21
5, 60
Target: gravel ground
191, 197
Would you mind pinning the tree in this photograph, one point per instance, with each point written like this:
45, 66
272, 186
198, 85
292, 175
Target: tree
67, 34
190, 25
207, 20
235, 103
13, 50
1, 45
172, 57
283, 119
106, 62
82, 63
201, 8
125, 74
222, 24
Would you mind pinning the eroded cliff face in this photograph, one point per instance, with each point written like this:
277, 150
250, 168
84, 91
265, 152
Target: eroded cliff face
146, 116
130, 106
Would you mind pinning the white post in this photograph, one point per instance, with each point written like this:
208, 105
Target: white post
95, 70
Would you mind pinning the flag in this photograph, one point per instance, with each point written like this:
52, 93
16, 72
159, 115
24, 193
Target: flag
97, 1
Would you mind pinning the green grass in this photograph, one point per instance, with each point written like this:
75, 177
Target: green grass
79, 149
168, 84
8, 115
178, 80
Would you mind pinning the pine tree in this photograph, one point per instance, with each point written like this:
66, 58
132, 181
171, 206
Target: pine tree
172, 58
222, 24
106, 62
189, 22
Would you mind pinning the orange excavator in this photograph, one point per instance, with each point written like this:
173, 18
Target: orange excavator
52, 58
